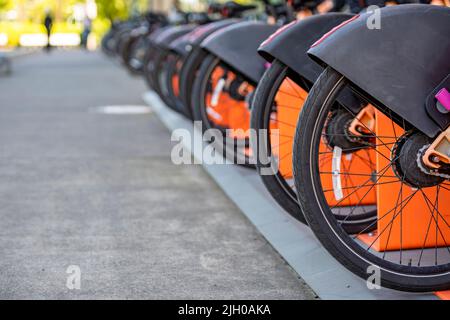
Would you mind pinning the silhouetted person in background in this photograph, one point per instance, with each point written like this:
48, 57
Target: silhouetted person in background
48, 23
87, 28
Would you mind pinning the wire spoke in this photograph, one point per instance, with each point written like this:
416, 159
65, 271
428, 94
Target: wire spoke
385, 169
438, 228
290, 94
390, 229
393, 219
365, 186
289, 82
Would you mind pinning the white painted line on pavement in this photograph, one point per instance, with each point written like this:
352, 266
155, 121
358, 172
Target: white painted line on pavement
122, 110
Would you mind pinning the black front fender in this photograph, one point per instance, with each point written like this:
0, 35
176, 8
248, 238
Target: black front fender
291, 43
237, 46
184, 44
398, 65
164, 39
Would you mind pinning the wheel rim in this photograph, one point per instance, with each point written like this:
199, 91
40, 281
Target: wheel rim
281, 112
221, 110
395, 245
284, 106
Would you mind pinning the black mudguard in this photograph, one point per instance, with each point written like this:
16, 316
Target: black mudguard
398, 65
237, 46
183, 45
152, 38
165, 38
291, 43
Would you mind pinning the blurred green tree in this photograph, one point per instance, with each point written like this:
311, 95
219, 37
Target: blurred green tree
5, 4
113, 9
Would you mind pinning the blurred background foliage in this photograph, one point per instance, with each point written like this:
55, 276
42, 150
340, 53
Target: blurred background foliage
18, 17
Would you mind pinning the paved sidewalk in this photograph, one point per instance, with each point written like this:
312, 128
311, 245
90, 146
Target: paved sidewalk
99, 191
14, 53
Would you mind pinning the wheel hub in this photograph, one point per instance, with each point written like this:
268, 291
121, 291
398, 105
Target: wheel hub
408, 164
338, 133
236, 90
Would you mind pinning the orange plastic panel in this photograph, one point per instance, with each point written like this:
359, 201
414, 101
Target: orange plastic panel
218, 113
416, 216
357, 187
290, 99
228, 112
239, 119
176, 85
443, 295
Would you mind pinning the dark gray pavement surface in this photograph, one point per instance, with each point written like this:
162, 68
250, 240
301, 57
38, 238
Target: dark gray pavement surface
100, 192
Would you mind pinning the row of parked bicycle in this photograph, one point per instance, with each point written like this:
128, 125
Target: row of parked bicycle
351, 114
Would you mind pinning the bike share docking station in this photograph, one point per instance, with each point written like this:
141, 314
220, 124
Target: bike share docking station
295, 242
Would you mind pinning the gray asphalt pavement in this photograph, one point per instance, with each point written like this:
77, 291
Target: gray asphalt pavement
100, 192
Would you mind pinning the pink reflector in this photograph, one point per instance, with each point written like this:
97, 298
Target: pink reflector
443, 96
